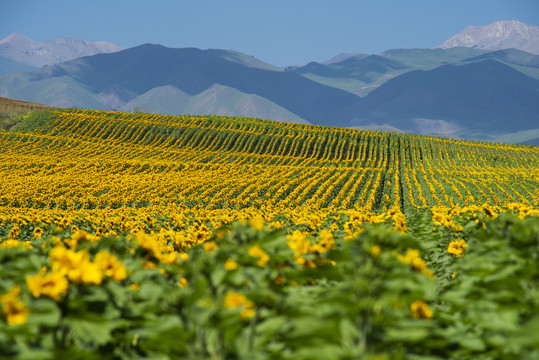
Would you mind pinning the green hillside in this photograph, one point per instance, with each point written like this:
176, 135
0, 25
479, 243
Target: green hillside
8, 66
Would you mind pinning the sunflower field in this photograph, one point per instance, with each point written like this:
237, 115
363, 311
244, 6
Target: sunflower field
126, 236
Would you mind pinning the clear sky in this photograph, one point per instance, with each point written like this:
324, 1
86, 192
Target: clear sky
281, 32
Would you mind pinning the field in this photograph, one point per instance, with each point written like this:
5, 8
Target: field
13, 111
140, 235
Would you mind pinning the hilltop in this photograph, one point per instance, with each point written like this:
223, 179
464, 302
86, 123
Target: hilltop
12, 105
21, 49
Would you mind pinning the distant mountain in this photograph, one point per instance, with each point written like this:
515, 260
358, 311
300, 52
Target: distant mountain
430, 58
481, 99
497, 36
242, 59
460, 92
8, 66
21, 49
511, 56
360, 74
217, 99
341, 57
113, 80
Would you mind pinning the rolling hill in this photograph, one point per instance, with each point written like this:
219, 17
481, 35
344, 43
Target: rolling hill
7, 104
8, 66
218, 99
113, 80
360, 74
480, 99
356, 74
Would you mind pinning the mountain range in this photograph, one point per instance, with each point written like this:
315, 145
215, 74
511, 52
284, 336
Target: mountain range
448, 91
20, 49
497, 36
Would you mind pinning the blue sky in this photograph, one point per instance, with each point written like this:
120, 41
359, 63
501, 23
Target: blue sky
281, 32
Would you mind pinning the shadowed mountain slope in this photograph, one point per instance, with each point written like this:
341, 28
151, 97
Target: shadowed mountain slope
120, 77
479, 96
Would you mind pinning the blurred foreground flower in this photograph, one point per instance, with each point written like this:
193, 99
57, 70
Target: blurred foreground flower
15, 311
52, 285
234, 300
420, 310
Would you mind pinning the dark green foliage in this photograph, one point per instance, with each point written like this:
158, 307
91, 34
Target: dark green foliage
36, 120
359, 307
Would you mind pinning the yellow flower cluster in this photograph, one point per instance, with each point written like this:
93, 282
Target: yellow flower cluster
14, 309
70, 265
171, 181
75, 265
230, 265
53, 285
420, 310
162, 252
412, 258
301, 244
258, 252
234, 300
457, 247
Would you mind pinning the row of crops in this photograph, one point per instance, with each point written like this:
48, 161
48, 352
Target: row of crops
141, 235
94, 159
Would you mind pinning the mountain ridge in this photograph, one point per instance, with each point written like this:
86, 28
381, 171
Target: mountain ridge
22, 49
458, 91
499, 35
458, 99
115, 79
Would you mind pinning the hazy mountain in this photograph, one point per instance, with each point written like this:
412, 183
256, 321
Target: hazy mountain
8, 66
113, 80
242, 59
430, 58
341, 57
481, 99
21, 49
459, 92
357, 74
511, 56
360, 74
218, 99
497, 36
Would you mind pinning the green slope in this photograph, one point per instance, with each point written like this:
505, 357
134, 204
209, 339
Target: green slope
483, 99
218, 100
243, 59
358, 74
361, 74
430, 58
61, 91
8, 66
522, 61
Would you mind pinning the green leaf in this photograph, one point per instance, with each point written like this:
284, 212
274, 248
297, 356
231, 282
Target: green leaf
272, 325
164, 335
44, 312
408, 334
91, 329
472, 343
